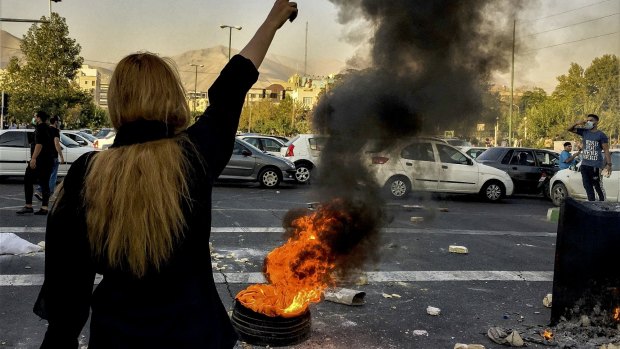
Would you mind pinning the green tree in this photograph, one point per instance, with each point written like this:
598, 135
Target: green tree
46, 77
286, 117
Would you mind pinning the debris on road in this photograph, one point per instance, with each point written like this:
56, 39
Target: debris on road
468, 346
500, 335
416, 219
10, 243
458, 249
344, 296
443, 209
433, 311
548, 300
393, 295
420, 333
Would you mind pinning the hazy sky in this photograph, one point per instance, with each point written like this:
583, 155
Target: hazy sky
107, 30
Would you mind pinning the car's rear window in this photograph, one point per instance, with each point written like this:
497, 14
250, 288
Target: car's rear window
491, 154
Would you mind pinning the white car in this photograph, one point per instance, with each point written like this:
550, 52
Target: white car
15, 151
567, 183
304, 151
268, 144
428, 164
80, 137
105, 142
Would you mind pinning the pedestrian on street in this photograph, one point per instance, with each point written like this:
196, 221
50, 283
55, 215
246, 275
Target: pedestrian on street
56, 152
40, 165
595, 145
566, 158
139, 213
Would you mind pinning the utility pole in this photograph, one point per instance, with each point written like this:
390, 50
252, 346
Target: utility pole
306, 52
196, 82
230, 28
512, 83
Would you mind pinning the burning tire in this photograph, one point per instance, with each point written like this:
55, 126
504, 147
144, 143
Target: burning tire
269, 178
258, 329
493, 191
302, 173
558, 193
398, 187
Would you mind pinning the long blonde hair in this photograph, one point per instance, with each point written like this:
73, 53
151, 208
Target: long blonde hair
134, 194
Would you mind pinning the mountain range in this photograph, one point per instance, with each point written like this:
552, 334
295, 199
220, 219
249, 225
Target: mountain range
273, 69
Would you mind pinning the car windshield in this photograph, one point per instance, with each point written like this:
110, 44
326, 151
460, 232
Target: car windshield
490, 154
103, 132
87, 136
68, 142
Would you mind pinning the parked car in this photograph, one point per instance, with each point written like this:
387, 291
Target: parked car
80, 137
567, 183
456, 142
269, 144
106, 141
473, 152
429, 164
250, 164
304, 151
15, 151
530, 169
103, 132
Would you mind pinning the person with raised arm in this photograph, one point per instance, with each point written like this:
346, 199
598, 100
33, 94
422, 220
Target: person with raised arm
139, 213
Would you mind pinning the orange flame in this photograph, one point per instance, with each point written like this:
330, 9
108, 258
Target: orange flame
297, 271
617, 314
547, 334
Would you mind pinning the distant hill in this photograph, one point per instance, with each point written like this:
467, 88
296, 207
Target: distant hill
273, 69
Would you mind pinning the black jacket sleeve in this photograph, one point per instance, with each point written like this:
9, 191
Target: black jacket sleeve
64, 299
214, 132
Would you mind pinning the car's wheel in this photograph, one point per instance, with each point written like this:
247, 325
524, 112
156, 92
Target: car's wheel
546, 193
302, 173
493, 191
269, 178
398, 187
558, 193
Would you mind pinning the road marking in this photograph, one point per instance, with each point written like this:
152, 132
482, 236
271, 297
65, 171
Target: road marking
373, 277
238, 230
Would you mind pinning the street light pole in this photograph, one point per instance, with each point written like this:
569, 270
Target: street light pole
230, 28
196, 81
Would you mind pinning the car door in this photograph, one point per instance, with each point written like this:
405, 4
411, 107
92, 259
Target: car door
457, 173
241, 163
14, 152
419, 162
523, 170
612, 183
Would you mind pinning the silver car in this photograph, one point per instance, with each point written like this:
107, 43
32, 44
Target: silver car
250, 164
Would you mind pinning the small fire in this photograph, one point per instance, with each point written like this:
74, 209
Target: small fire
616, 315
547, 334
300, 270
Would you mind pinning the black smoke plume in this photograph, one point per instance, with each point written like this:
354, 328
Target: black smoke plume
428, 64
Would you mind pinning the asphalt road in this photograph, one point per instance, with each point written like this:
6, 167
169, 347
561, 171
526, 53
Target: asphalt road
500, 282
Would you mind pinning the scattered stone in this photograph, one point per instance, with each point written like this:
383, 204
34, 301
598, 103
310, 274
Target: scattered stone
415, 219
42, 244
584, 320
458, 249
433, 311
385, 295
344, 296
468, 346
497, 335
420, 333
610, 346
548, 300
362, 280
395, 295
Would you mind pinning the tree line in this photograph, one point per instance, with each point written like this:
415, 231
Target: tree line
46, 79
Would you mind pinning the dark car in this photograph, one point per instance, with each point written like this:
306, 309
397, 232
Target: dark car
525, 166
250, 164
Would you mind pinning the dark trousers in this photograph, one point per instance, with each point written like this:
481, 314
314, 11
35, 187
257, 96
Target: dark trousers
591, 178
40, 175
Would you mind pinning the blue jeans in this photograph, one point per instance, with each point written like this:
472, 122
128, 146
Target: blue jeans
53, 178
591, 178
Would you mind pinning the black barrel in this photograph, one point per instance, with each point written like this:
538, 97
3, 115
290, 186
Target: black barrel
587, 271
259, 329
